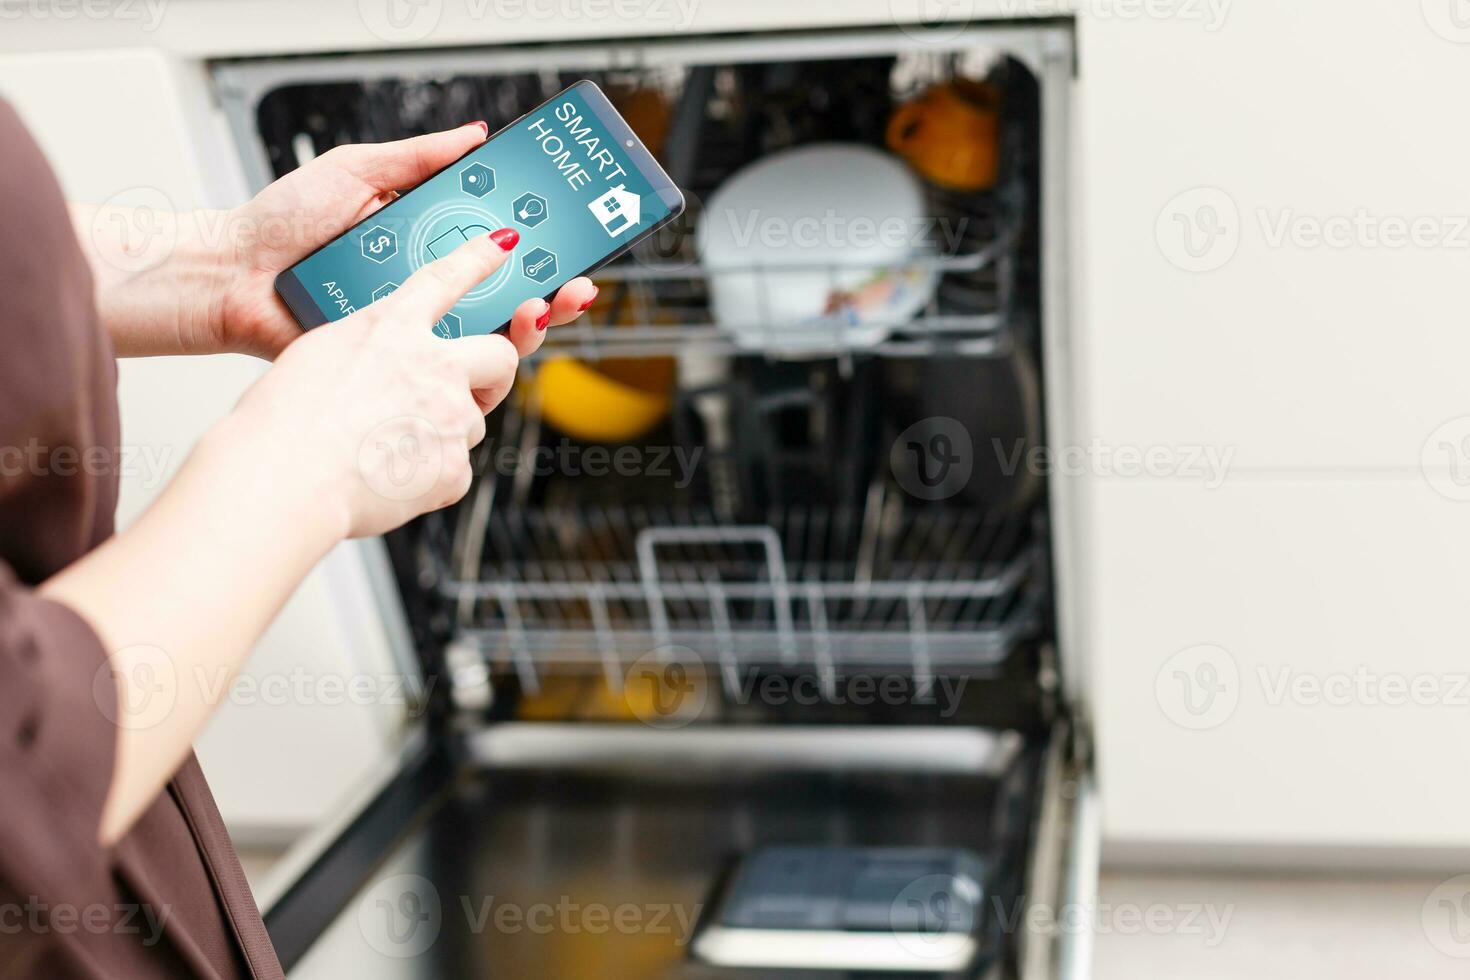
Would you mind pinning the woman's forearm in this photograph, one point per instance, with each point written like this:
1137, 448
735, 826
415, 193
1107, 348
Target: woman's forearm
160, 277
180, 598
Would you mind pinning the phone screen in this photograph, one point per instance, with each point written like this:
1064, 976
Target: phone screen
570, 176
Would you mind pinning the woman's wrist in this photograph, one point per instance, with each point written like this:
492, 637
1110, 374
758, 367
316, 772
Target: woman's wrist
266, 457
161, 278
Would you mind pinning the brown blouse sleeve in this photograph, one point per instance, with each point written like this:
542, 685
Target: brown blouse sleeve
57, 741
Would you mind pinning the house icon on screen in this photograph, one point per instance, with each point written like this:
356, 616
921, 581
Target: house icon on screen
616, 211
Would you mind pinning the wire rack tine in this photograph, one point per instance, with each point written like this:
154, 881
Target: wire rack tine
520, 650
606, 642
822, 644
724, 645
919, 633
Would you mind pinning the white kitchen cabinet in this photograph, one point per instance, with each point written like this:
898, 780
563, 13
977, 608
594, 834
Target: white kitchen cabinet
1323, 371
1328, 712
1300, 115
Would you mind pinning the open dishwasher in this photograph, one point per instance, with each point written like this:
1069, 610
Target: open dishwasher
757, 669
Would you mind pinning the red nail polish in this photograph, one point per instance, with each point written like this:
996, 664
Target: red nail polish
592, 299
544, 320
506, 238
484, 127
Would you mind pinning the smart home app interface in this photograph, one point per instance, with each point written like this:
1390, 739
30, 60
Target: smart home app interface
557, 176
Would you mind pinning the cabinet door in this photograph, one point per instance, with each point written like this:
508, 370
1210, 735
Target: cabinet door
1275, 229
1281, 663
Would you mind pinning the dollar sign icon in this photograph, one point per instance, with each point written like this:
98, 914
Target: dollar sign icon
379, 244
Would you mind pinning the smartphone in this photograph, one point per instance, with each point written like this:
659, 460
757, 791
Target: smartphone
569, 175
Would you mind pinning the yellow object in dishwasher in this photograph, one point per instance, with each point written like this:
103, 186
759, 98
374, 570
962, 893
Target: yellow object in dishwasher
609, 401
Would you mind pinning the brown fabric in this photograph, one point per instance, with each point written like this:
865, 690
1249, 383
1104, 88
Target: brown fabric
170, 899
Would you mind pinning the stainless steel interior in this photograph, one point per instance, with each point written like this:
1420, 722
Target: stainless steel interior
632, 823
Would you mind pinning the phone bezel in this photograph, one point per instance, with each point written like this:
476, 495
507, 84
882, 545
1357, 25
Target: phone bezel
293, 292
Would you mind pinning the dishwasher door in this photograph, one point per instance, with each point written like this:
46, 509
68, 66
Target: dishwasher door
576, 851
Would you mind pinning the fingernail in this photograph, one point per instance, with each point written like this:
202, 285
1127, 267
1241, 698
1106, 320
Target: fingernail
544, 320
484, 127
506, 238
590, 300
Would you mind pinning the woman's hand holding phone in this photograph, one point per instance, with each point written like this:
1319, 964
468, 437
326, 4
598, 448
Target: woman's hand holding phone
336, 191
212, 287
376, 413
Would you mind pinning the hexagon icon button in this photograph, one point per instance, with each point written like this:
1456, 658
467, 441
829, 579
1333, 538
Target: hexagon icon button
477, 180
379, 244
539, 265
384, 290
450, 327
530, 209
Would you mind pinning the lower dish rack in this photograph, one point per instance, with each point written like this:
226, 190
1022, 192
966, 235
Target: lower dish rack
922, 592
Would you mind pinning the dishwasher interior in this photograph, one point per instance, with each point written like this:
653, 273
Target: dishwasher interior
715, 591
